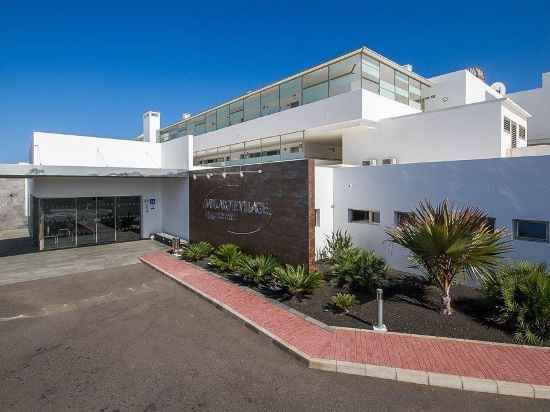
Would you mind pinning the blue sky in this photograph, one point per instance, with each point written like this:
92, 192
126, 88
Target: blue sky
94, 68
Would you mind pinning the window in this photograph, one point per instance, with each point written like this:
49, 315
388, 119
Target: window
236, 112
389, 161
315, 85
252, 107
507, 125
211, 121
532, 230
370, 162
401, 88
522, 133
344, 76
387, 81
270, 101
415, 94
514, 134
371, 74
401, 217
317, 217
197, 126
491, 223
363, 216
291, 94
222, 116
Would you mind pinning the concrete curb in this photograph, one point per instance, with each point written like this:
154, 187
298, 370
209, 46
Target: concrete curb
464, 383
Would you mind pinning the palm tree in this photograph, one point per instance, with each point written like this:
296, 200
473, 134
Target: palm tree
445, 241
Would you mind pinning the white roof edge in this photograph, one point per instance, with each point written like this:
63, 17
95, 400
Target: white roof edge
512, 105
29, 171
363, 49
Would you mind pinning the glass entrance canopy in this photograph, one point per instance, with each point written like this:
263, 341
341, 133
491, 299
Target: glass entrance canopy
361, 69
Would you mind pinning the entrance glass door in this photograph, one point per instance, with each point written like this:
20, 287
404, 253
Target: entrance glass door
128, 218
59, 220
106, 229
86, 230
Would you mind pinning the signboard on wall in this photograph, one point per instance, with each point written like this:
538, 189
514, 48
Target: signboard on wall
271, 212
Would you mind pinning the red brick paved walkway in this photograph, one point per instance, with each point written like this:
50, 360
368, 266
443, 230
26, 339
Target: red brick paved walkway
447, 356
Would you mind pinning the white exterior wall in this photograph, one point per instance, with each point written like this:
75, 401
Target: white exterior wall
496, 185
49, 187
177, 153
465, 132
175, 207
324, 199
71, 150
536, 102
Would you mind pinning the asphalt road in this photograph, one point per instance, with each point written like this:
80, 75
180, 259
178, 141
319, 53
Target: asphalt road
130, 339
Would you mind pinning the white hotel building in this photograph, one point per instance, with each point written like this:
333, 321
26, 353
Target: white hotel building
382, 138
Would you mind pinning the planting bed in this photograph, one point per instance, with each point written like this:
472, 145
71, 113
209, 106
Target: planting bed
410, 306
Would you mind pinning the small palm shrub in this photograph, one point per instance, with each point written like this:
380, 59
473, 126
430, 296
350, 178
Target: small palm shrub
336, 243
520, 293
297, 280
257, 269
227, 258
343, 302
197, 251
445, 241
359, 269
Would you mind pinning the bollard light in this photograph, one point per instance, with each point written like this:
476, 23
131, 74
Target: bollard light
380, 327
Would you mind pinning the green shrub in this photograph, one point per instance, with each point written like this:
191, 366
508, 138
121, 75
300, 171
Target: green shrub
343, 302
336, 243
197, 251
227, 257
257, 269
356, 268
521, 295
297, 280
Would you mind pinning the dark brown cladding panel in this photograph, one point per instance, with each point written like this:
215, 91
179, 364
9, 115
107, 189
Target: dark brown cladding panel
271, 212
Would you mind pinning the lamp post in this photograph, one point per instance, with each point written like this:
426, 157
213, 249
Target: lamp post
380, 327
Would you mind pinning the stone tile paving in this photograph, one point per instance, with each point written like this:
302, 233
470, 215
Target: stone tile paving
498, 362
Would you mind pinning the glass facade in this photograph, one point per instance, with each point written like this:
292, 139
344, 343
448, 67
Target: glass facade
289, 146
70, 222
357, 71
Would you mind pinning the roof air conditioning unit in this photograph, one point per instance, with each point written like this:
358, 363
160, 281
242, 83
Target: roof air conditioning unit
370, 162
389, 161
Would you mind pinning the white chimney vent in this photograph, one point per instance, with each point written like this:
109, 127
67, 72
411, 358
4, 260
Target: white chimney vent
186, 116
151, 125
408, 67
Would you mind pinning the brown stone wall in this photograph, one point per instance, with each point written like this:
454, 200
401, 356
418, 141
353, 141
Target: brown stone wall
271, 212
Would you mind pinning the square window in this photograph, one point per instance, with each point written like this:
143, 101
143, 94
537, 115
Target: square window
401, 217
363, 216
531, 230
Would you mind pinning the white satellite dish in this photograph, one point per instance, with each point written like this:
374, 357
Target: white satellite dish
499, 87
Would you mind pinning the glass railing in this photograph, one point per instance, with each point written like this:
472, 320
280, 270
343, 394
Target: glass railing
289, 146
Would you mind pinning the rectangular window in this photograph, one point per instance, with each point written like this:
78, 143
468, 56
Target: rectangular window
370, 69
401, 217
370, 162
415, 94
211, 121
514, 134
317, 217
222, 117
531, 230
315, 85
387, 81
344, 76
389, 161
252, 107
506, 125
491, 223
522, 133
291, 94
363, 216
270, 101
236, 112
401, 88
